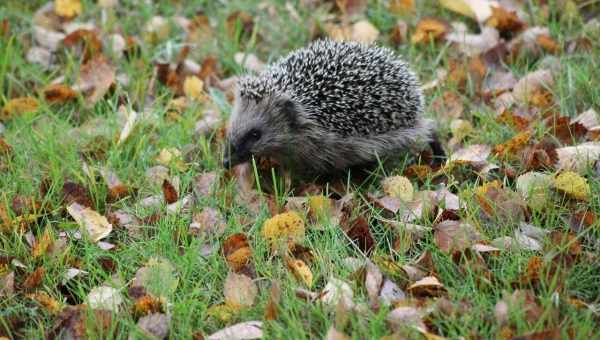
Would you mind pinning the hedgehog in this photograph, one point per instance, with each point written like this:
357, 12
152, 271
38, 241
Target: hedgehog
327, 108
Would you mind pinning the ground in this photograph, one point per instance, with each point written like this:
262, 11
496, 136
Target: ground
117, 218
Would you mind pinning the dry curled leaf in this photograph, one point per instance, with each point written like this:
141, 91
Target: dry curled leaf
94, 225
428, 30
427, 286
59, 93
95, 78
237, 252
300, 270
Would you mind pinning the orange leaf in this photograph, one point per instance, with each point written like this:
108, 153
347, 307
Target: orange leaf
59, 93
428, 30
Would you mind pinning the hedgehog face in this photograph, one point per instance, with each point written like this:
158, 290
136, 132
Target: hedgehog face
259, 126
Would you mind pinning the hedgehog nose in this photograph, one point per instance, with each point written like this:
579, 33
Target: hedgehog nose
226, 162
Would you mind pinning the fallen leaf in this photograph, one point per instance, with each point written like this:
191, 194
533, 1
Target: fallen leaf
504, 20
287, 226
157, 277
76, 193
155, 325
451, 236
531, 83
479, 10
548, 44
17, 107
147, 304
272, 308
77, 322
476, 154
578, 158
427, 286
94, 225
474, 44
68, 8
237, 251
156, 29
50, 304
43, 245
169, 192
337, 291
35, 278
59, 93
402, 7
401, 317
373, 282
193, 88
429, 29
104, 297
522, 301
351, 8
131, 118
240, 331
573, 185
239, 290
209, 223
116, 189
205, 183
360, 234
95, 78
398, 186
7, 284
534, 187
301, 271
390, 293
364, 32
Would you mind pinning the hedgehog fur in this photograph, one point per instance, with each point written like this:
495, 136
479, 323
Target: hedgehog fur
328, 107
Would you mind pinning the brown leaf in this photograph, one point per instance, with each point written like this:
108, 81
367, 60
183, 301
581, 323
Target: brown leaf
429, 29
237, 251
505, 21
360, 234
550, 334
96, 77
373, 282
405, 316
169, 192
59, 93
427, 286
147, 304
451, 236
85, 39
548, 44
272, 308
209, 223
522, 301
76, 193
7, 284
239, 21
351, 7
402, 7
35, 278
49, 303
77, 322
566, 132
448, 106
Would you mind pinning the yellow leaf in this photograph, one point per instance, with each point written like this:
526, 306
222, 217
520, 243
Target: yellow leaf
222, 312
68, 8
48, 302
301, 271
42, 245
399, 187
18, 106
401, 7
92, 223
239, 290
479, 10
193, 88
286, 226
573, 185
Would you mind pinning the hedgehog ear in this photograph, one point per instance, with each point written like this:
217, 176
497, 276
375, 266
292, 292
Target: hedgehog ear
289, 110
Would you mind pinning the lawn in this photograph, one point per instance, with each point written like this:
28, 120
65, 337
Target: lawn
118, 220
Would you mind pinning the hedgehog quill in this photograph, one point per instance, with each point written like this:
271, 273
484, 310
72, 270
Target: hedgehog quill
329, 107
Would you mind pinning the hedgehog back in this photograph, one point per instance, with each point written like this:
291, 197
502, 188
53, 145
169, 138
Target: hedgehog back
349, 88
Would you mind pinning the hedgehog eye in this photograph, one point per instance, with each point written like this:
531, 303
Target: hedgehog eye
255, 134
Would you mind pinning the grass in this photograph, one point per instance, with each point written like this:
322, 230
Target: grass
45, 146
